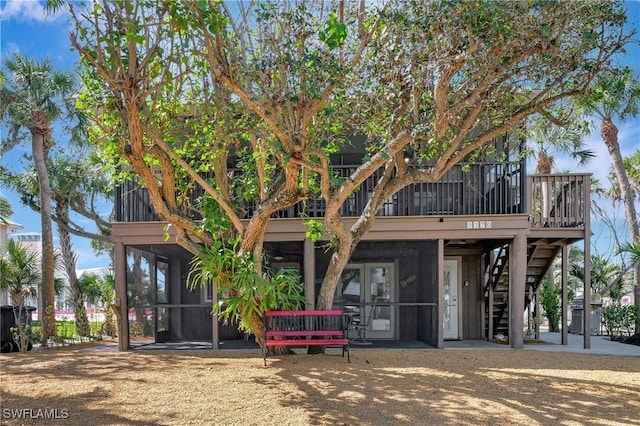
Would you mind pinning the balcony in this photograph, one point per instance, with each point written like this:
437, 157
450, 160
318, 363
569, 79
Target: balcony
467, 189
559, 200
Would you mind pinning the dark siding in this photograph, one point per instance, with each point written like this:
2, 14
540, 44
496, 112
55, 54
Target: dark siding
412, 258
471, 296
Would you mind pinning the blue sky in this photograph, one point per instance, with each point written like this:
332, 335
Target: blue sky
25, 28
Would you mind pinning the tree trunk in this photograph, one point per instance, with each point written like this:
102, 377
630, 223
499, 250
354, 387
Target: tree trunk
69, 259
38, 140
256, 322
253, 242
80, 312
339, 260
109, 326
553, 323
609, 133
543, 167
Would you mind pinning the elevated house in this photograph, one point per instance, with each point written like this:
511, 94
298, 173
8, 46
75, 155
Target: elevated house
455, 259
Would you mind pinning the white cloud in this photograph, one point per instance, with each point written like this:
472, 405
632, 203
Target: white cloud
13, 47
27, 10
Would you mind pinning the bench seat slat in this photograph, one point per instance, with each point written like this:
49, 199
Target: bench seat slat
302, 313
312, 342
294, 333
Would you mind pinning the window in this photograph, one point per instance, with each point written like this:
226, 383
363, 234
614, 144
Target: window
207, 292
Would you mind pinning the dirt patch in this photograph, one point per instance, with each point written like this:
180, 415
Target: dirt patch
401, 387
633, 340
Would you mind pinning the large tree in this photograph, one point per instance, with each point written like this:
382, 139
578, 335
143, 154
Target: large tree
617, 96
181, 90
79, 187
33, 96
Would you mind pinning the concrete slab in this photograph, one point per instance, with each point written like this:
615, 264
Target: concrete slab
550, 342
600, 345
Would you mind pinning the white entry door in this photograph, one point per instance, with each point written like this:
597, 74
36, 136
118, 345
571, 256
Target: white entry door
450, 299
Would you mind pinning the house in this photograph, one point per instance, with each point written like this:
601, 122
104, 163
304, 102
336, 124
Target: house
454, 259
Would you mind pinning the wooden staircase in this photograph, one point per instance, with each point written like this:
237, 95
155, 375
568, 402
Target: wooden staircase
540, 256
497, 292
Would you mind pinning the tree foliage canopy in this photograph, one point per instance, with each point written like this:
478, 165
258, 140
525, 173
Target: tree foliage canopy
182, 93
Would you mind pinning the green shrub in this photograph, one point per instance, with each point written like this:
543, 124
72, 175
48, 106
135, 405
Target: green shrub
551, 302
620, 320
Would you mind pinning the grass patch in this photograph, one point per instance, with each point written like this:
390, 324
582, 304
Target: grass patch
67, 329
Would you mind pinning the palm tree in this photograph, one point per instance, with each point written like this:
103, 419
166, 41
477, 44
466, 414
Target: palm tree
633, 250
5, 208
19, 272
32, 97
546, 139
99, 289
20, 275
69, 179
605, 276
76, 182
618, 96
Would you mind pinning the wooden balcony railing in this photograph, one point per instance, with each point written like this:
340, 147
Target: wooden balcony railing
466, 189
558, 200
553, 201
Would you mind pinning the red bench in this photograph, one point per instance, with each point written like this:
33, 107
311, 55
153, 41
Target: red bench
305, 328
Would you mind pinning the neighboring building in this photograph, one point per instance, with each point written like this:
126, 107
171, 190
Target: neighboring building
6, 227
454, 259
31, 241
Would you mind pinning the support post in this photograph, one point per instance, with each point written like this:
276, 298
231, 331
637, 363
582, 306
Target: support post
490, 307
174, 285
440, 307
564, 328
586, 312
215, 324
587, 265
309, 273
120, 277
517, 279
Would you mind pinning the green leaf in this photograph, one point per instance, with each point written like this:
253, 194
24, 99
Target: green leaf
334, 32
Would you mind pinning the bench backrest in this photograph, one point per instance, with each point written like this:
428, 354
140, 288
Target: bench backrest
303, 322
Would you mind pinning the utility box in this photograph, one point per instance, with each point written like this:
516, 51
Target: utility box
577, 316
8, 321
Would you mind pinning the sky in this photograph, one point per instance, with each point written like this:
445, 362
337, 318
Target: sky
25, 28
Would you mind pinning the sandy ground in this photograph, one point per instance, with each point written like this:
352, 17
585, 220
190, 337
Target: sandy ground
379, 387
